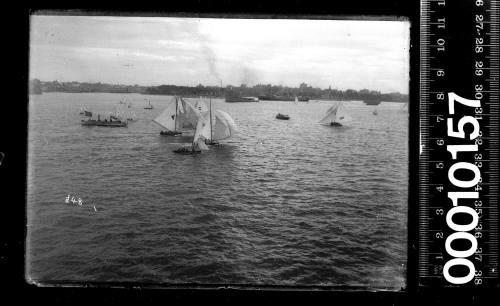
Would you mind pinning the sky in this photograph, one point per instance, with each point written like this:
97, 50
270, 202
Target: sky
150, 51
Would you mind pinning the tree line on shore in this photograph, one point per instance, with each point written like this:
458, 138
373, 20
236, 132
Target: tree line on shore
303, 90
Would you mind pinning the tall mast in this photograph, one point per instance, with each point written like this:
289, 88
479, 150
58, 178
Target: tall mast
211, 137
175, 116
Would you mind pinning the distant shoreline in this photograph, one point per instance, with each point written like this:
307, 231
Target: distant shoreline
304, 90
195, 96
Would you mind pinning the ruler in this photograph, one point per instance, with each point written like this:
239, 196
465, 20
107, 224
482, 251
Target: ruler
458, 161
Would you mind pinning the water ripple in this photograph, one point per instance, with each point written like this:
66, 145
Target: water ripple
282, 203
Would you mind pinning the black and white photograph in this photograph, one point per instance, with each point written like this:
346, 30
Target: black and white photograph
201, 151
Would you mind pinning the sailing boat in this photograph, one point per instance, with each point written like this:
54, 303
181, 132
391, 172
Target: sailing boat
131, 116
122, 113
296, 100
149, 106
177, 118
82, 110
217, 125
210, 128
335, 117
222, 126
404, 107
375, 112
198, 143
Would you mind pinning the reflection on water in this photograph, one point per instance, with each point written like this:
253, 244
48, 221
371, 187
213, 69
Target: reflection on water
282, 203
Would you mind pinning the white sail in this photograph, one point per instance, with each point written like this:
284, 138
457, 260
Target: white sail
223, 126
120, 112
167, 118
335, 114
202, 131
203, 128
199, 145
296, 100
331, 114
187, 116
220, 128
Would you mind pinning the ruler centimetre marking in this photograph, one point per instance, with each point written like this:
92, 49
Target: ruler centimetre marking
458, 162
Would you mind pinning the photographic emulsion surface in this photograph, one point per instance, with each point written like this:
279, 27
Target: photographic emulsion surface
206, 151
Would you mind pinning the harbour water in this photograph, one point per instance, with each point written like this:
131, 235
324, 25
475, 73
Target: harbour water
282, 203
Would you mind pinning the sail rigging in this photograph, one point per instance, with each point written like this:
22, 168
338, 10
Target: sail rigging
179, 116
223, 126
201, 132
215, 125
167, 118
83, 109
187, 116
335, 115
210, 126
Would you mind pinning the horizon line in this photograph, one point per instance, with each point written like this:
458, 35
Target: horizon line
133, 85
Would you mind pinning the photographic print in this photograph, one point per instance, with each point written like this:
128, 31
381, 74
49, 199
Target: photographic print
208, 151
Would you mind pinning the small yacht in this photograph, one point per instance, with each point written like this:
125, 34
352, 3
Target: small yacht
282, 116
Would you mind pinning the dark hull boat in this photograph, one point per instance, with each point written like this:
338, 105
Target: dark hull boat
282, 117
186, 150
107, 123
211, 142
192, 149
170, 133
283, 98
372, 101
231, 99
